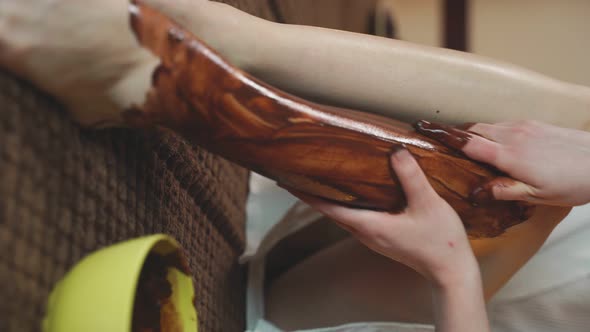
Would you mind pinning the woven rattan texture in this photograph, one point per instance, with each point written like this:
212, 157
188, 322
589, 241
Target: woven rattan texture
65, 192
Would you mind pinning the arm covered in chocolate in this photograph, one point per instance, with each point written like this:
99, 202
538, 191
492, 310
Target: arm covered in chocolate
337, 154
391, 77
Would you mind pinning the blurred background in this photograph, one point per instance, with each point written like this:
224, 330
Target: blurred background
544, 35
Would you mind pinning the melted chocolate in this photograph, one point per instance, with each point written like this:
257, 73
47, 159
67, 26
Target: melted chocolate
449, 136
333, 153
153, 310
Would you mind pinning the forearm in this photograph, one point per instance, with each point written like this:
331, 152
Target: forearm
392, 77
459, 304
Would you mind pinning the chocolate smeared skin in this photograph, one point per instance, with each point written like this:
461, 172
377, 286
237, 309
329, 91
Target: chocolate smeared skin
337, 154
449, 136
456, 138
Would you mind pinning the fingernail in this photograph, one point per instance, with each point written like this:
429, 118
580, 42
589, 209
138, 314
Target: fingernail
482, 194
447, 135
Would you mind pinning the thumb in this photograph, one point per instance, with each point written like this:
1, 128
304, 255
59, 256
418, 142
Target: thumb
505, 189
411, 177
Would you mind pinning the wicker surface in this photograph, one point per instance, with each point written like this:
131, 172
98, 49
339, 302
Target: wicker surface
65, 192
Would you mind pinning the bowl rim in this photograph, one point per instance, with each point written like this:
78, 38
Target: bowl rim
155, 243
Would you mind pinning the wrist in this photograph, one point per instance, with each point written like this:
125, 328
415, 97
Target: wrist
459, 302
464, 272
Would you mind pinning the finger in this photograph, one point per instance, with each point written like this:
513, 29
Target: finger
411, 177
492, 132
452, 137
359, 220
474, 146
506, 189
459, 139
484, 150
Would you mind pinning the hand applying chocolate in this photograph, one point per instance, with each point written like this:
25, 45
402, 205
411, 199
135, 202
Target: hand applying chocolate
548, 164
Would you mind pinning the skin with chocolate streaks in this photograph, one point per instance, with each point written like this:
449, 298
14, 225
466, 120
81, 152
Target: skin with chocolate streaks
450, 136
336, 154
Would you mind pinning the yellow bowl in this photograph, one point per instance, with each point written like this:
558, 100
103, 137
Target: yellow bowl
97, 295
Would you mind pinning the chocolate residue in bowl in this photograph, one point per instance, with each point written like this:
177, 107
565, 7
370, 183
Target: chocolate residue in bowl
153, 309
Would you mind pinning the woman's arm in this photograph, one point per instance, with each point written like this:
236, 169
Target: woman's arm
100, 70
396, 78
404, 81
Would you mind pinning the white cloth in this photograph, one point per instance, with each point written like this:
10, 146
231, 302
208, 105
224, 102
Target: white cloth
264, 326
550, 293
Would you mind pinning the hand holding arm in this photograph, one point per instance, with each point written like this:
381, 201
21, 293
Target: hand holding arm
429, 237
550, 164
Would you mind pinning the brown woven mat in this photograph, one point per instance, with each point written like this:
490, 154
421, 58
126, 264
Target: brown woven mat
65, 192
